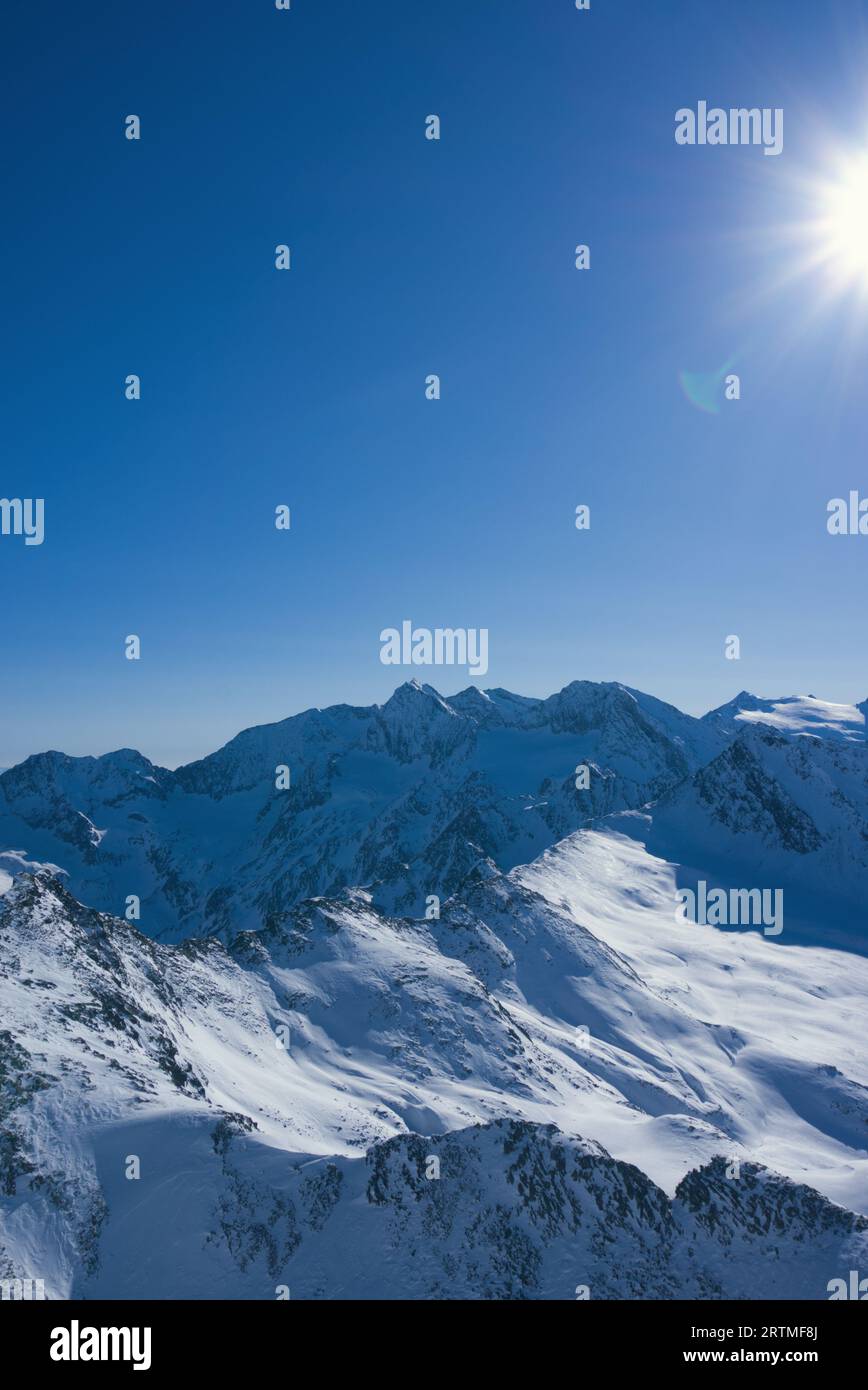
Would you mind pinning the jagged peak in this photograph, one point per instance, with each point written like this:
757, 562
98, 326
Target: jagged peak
412, 690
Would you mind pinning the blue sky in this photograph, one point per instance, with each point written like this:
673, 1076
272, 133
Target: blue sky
411, 256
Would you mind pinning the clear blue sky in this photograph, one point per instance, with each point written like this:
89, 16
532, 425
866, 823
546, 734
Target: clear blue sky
409, 256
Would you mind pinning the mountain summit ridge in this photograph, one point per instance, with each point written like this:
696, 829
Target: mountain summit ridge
403, 797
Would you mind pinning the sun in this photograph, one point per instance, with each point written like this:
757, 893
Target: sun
807, 238
817, 243
841, 228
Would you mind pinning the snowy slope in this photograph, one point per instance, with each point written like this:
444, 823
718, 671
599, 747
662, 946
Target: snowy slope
764, 1041
774, 812
563, 993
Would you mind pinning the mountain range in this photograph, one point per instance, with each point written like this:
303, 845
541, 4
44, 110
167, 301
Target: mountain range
427, 1022
403, 798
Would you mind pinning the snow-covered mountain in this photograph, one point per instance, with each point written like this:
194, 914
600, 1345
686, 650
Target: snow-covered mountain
792, 714
405, 797
202, 1120
776, 812
559, 1082
516, 1211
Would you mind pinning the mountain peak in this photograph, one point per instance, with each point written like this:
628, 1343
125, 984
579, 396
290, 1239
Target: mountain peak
411, 689
416, 697
793, 715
